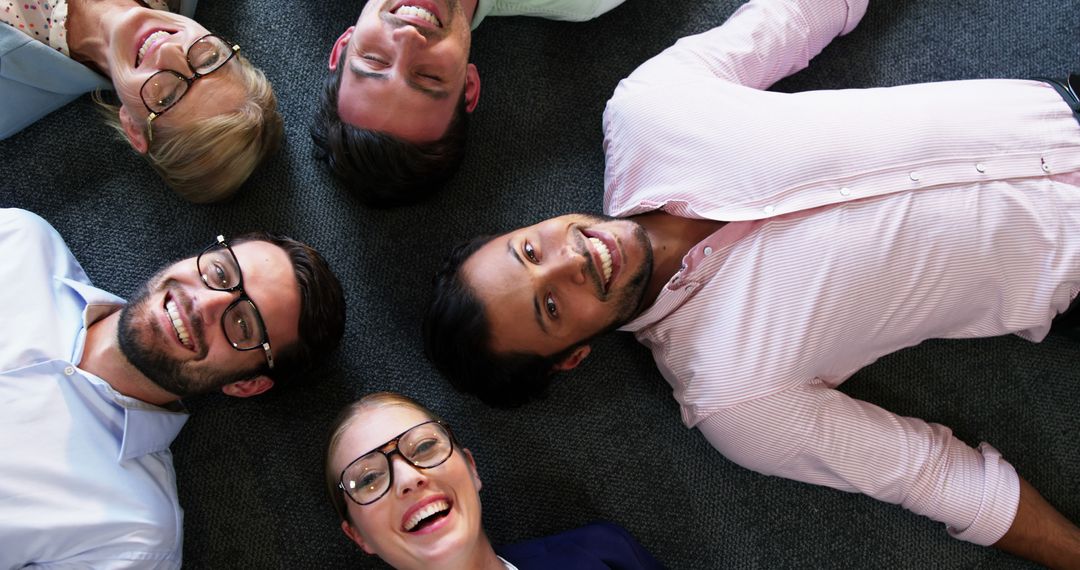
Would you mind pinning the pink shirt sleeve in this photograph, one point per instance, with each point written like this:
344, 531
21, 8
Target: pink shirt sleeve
760, 44
818, 435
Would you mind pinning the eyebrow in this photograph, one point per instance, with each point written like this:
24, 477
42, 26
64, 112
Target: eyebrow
437, 94
536, 303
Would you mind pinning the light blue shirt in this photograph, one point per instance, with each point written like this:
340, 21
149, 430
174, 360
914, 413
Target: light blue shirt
569, 10
36, 80
86, 476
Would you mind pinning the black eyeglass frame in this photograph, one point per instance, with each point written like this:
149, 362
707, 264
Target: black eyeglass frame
234, 49
392, 444
264, 342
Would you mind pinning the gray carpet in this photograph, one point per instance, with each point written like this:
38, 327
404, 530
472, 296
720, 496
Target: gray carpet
607, 444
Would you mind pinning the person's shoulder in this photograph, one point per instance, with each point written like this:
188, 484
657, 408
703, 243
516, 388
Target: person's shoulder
23, 224
32, 245
595, 546
565, 10
10, 38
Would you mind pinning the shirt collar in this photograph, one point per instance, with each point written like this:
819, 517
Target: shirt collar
483, 8
708, 253
147, 428
97, 304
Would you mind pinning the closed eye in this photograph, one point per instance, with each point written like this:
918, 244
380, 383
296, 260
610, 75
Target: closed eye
375, 59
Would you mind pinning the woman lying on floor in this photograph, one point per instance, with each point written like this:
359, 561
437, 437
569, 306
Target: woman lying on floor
200, 113
406, 491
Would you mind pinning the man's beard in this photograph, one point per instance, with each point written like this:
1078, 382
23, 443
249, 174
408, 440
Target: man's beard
630, 298
168, 373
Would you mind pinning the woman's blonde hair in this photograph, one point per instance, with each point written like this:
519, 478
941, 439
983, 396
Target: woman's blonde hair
207, 160
345, 420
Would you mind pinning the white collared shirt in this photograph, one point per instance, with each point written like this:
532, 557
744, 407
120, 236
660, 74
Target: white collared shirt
86, 476
567, 10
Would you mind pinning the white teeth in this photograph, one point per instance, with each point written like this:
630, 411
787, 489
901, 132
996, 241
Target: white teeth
178, 324
605, 257
426, 512
419, 13
159, 35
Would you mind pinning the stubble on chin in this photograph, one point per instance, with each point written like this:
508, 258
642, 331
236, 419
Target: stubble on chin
138, 334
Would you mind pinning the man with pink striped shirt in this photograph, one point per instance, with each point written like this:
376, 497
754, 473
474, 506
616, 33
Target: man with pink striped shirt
765, 255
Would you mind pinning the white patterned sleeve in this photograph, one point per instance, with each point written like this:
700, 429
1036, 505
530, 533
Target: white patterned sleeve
818, 435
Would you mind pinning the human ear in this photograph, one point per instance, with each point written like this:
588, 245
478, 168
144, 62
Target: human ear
575, 358
472, 88
134, 131
472, 468
354, 535
248, 388
339, 46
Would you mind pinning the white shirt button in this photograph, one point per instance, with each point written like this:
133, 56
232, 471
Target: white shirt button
845, 191
707, 251
1045, 167
914, 176
980, 167
69, 370
770, 209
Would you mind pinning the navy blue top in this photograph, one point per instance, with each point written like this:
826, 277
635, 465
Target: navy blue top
596, 546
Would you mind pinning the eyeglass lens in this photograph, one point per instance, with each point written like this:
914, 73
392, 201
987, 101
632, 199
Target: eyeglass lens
243, 325
368, 478
221, 271
166, 87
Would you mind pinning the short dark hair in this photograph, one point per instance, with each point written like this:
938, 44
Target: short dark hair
382, 169
322, 308
457, 339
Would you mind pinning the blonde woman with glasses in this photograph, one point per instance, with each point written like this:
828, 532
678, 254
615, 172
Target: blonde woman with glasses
189, 102
406, 491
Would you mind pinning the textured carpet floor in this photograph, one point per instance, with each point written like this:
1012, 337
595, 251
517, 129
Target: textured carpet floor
608, 443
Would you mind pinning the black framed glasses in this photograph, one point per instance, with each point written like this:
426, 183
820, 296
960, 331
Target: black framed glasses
371, 475
241, 321
162, 90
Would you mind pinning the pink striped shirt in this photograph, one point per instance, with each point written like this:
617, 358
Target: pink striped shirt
947, 210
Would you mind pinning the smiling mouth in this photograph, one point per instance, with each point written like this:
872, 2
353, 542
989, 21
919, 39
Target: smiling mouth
407, 12
179, 328
605, 259
427, 515
150, 41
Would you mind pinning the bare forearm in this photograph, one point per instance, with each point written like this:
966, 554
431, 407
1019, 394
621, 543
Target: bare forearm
1041, 534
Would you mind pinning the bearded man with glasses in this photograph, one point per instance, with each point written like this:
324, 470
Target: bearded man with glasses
91, 385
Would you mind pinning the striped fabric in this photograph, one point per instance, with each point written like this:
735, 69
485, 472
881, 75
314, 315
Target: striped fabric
944, 210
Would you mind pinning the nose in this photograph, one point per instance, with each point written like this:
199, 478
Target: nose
566, 265
173, 55
407, 478
408, 38
214, 303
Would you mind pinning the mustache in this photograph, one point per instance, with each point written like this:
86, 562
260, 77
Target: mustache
428, 33
581, 248
196, 322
